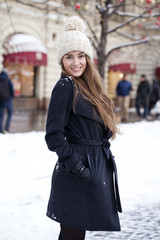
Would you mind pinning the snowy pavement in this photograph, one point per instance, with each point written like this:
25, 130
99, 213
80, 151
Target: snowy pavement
26, 166
141, 223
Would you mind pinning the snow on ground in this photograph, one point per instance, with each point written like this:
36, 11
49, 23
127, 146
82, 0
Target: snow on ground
26, 166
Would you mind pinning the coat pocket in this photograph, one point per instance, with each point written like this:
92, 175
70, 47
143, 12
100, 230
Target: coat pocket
87, 161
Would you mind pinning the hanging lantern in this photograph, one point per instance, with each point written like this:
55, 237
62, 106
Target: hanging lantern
86, 7
149, 1
149, 11
77, 6
158, 21
139, 26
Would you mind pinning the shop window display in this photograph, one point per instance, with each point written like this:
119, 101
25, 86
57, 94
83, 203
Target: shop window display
22, 76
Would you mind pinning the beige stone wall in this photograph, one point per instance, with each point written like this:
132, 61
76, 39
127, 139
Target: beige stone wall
36, 23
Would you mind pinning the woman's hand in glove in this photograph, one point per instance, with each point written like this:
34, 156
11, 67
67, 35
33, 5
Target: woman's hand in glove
82, 171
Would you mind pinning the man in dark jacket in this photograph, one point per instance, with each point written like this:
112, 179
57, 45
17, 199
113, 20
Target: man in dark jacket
123, 92
6, 97
142, 98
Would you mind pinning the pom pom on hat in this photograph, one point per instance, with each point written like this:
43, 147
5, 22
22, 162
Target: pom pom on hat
74, 39
75, 23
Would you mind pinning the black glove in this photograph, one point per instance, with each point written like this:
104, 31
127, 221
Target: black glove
82, 171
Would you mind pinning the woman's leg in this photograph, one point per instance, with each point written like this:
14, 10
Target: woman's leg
1, 119
68, 233
9, 112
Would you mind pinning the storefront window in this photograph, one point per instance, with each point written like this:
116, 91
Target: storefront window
22, 76
113, 79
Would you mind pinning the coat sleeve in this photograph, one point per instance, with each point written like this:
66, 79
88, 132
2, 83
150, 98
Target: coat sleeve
58, 116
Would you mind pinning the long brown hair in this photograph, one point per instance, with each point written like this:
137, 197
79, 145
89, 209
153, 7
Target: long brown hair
89, 86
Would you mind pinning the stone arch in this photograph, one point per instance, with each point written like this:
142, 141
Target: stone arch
23, 27
7, 31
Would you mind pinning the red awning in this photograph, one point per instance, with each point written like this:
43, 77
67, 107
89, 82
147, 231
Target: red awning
123, 67
120, 60
35, 58
22, 47
158, 71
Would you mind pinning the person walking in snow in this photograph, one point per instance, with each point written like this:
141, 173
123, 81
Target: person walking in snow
155, 94
84, 192
6, 96
123, 92
142, 97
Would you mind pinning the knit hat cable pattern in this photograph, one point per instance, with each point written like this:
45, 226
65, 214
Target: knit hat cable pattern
74, 39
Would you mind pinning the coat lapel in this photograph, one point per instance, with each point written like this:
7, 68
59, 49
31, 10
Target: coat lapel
85, 109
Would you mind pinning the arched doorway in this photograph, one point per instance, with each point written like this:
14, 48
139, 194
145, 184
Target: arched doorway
23, 58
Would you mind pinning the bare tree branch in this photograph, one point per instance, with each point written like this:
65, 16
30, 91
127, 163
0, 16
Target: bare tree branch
127, 14
95, 39
9, 15
99, 7
45, 3
130, 20
127, 45
117, 7
129, 36
31, 5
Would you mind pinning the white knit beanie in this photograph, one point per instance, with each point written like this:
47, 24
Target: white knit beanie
74, 39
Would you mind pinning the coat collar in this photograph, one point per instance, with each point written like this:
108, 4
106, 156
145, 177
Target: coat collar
85, 109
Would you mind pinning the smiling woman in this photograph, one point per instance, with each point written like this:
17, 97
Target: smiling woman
74, 63
84, 192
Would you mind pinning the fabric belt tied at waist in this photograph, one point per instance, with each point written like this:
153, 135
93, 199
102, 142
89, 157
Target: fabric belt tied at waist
106, 147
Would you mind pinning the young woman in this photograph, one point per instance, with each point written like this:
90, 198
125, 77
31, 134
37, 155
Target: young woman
84, 192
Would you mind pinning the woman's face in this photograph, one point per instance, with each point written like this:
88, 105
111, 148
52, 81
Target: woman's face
74, 63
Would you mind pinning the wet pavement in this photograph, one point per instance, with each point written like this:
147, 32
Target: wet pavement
26, 121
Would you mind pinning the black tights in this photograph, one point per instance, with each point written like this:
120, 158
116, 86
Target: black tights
68, 233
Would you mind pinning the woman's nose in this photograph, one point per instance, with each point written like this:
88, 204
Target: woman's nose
75, 61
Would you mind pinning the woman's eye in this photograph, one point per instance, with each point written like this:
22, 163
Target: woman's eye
81, 56
68, 57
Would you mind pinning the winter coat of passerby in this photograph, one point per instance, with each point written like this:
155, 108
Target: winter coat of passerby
123, 92
154, 95
6, 96
84, 191
142, 97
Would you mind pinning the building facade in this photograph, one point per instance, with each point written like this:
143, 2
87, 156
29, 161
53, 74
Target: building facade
28, 41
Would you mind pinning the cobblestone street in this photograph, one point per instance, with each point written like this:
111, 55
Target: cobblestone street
141, 224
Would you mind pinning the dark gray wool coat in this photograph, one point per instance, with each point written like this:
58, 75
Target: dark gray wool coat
88, 204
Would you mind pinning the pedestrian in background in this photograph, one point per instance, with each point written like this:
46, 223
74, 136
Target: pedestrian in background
154, 95
84, 192
6, 96
123, 92
142, 97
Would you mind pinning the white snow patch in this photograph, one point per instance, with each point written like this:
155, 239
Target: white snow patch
26, 167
